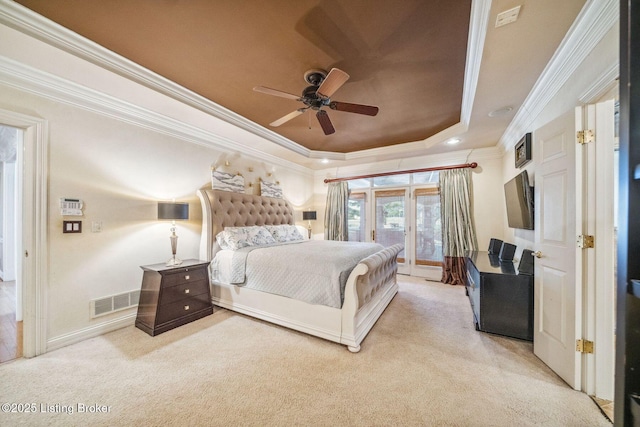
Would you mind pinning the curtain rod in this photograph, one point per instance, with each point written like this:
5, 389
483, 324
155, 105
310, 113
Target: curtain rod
374, 175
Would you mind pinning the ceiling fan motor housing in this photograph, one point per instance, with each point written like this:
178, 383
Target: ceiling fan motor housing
311, 99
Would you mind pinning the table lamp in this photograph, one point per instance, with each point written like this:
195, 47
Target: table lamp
173, 211
309, 216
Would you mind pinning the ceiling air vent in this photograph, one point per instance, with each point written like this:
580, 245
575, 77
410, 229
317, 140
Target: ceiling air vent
507, 17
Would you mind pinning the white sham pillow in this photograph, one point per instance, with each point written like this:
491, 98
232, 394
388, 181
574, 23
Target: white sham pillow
234, 238
284, 233
304, 231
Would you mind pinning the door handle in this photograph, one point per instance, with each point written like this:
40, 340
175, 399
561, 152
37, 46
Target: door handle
537, 254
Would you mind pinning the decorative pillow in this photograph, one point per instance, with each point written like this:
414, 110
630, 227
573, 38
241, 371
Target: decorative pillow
270, 189
234, 238
304, 232
284, 233
222, 241
227, 182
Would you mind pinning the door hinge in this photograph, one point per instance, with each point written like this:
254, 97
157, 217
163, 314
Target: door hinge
584, 346
373, 235
585, 241
585, 136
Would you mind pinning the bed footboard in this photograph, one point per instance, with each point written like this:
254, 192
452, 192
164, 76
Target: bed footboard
369, 289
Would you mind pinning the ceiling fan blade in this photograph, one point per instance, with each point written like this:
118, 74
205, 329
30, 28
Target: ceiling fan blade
286, 118
276, 92
325, 122
334, 80
368, 110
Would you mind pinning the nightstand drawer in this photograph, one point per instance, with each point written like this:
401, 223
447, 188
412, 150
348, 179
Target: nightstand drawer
182, 308
185, 275
181, 291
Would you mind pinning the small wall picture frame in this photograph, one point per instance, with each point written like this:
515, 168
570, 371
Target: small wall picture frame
523, 151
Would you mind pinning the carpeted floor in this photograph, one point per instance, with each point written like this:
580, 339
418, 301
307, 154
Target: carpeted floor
423, 364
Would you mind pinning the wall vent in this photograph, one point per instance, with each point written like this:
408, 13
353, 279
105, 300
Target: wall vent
113, 303
507, 17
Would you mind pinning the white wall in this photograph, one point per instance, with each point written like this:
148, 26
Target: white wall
572, 94
120, 165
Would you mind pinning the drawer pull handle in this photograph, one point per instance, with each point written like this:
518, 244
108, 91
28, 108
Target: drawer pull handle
186, 277
186, 307
186, 291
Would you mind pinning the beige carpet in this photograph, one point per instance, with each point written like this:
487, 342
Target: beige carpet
423, 364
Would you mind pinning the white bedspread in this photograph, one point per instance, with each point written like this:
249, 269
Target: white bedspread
314, 271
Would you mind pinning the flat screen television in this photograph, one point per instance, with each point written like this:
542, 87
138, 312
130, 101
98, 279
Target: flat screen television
518, 195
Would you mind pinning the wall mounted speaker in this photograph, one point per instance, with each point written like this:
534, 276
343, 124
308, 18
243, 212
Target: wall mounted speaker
526, 263
506, 252
494, 246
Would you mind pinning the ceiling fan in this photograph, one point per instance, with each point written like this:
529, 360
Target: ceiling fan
318, 95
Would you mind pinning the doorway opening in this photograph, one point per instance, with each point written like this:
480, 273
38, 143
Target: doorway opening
10, 291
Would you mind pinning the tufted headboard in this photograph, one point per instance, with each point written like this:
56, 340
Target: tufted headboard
222, 209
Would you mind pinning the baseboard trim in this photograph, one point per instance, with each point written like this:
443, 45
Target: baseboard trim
90, 332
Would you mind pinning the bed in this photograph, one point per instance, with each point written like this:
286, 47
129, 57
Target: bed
367, 289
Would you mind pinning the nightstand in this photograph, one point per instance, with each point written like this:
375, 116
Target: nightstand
172, 296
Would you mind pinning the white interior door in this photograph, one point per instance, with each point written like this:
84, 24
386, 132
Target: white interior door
599, 277
557, 300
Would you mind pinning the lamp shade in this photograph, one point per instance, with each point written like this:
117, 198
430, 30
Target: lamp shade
308, 215
172, 210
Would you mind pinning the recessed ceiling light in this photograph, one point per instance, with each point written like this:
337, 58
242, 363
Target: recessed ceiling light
325, 160
453, 141
501, 112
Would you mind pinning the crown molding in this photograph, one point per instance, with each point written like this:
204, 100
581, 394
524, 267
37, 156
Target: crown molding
479, 22
605, 82
593, 22
31, 80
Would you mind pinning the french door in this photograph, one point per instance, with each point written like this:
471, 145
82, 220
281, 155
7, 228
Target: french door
426, 235
406, 215
391, 221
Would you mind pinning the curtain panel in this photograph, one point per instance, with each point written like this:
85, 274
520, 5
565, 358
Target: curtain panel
458, 229
335, 215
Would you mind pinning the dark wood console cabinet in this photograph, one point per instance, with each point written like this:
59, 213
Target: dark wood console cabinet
501, 299
173, 296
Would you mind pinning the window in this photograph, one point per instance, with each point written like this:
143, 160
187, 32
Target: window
390, 219
360, 183
428, 237
391, 180
356, 217
431, 177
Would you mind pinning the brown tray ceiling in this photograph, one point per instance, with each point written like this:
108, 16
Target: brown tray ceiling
407, 57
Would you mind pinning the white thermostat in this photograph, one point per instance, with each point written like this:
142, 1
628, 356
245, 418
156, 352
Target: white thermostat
71, 207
